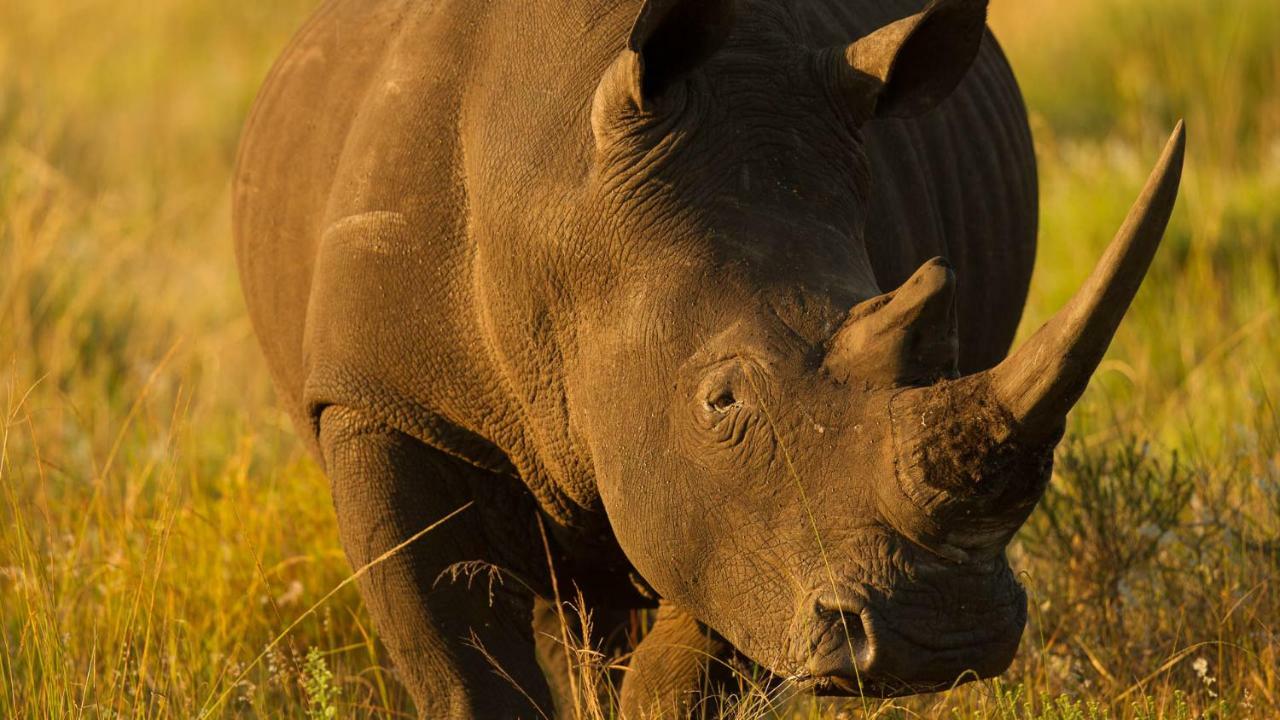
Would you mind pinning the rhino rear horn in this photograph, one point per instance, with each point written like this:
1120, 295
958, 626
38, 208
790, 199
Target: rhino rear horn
908, 336
1040, 383
906, 68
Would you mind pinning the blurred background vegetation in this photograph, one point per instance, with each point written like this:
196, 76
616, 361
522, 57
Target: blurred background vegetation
160, 527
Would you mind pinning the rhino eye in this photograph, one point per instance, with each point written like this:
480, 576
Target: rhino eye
723, 402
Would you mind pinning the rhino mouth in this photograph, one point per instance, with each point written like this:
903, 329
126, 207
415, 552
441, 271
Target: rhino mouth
941, 669
835, 686
859, 649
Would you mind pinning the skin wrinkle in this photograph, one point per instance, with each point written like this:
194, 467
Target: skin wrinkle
992, 207
966, 157
999, 217
1013, 138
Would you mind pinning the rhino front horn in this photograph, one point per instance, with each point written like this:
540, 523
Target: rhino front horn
1040, 382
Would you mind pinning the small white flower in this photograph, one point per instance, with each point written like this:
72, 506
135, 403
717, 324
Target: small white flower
290, 595
1201, 666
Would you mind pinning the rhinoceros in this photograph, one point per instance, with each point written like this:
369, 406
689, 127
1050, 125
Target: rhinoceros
701, 305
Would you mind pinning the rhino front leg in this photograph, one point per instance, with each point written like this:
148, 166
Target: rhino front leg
672, 669
387, 487
609, 635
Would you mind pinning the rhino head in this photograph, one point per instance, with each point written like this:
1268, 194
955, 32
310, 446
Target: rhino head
784, 450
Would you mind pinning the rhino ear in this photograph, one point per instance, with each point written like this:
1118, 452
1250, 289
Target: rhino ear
906, 337
906, 68
669, 39
672, 37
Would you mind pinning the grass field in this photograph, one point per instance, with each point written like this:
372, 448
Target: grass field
161, 529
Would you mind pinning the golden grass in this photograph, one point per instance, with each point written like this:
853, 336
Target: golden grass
160, 527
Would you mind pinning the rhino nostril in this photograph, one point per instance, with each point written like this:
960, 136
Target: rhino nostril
852, 616
861, 642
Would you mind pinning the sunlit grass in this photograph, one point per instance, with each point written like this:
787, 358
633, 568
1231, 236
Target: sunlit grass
160, 526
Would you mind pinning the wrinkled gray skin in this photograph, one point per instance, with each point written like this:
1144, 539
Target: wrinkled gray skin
615, 270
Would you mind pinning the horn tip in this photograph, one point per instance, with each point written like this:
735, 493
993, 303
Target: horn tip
936, 275
1177, 145
1167, 175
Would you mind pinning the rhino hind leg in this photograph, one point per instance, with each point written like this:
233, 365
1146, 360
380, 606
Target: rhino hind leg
680, 669
461, 642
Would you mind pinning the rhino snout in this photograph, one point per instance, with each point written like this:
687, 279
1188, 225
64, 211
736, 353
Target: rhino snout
875, 647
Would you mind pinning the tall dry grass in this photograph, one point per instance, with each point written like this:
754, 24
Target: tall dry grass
160, 528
